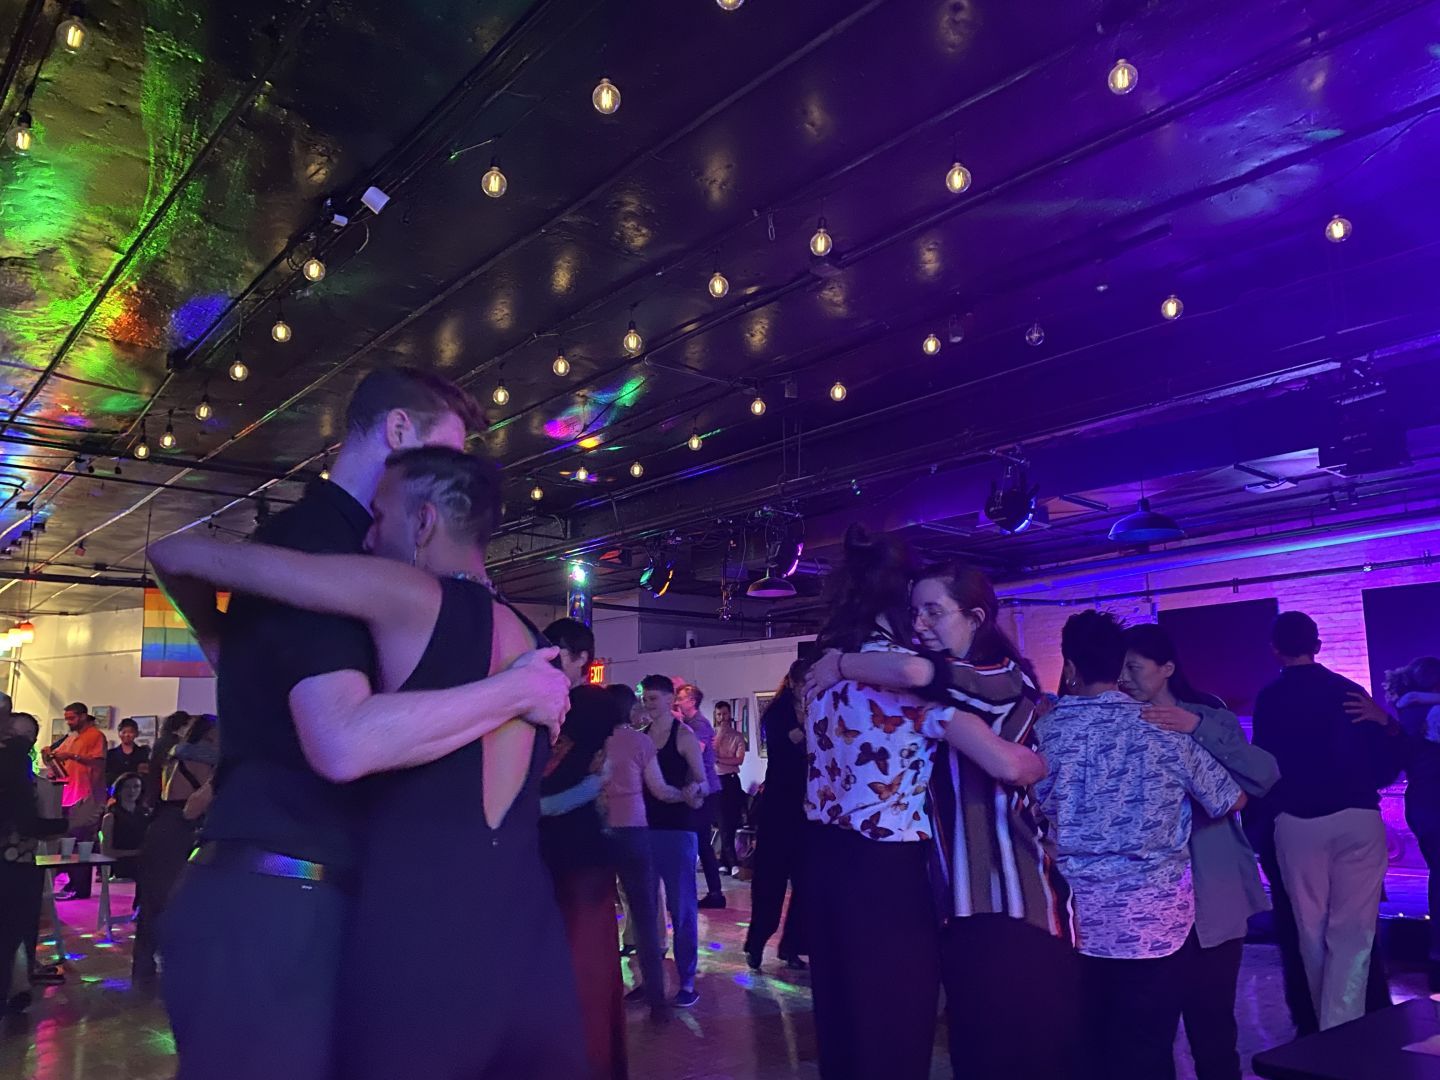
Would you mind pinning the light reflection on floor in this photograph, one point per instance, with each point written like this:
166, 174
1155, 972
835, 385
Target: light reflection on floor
747, 1024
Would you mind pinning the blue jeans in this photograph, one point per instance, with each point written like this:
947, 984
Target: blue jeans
636, 867
675, 854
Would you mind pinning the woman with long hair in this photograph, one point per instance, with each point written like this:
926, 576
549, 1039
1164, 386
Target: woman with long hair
780, 827
1223, 865
872, 927
1007, 934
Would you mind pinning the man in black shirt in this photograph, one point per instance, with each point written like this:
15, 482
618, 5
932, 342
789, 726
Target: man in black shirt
127, 756
1329, 839
252, 938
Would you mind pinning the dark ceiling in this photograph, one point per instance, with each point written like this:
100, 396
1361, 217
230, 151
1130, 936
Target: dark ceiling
190, 157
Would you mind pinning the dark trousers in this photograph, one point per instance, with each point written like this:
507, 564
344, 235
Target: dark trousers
1430, 849
991, 963
21, 886
167, 844
1208, 1010
732, 811
586, 896
1292, 965
777, 866
1130, 1012
635, 865
704, 836
874, 955
251, 973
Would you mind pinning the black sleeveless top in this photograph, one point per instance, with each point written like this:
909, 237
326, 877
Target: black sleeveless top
676, 771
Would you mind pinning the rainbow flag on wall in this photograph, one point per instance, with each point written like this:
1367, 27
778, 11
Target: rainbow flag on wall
167, 648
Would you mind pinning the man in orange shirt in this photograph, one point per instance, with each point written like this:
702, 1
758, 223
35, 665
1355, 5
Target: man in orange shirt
82, 758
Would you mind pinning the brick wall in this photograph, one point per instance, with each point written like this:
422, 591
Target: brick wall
1332, 600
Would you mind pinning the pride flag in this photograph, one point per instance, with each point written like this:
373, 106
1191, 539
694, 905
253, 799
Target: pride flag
167, 649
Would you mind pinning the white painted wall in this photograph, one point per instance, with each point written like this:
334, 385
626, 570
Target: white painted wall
94, 659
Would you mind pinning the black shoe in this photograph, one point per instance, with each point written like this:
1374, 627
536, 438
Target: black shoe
627, 950
795, 963
68, 894
712, 900
636, 996
48, 978
684, 999
753, 959
18, 1003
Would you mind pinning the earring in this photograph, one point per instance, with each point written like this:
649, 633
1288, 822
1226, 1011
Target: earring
415, 556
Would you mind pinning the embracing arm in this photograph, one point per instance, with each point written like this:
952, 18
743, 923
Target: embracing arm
347, 731
196, 602
323, 583
1001, 759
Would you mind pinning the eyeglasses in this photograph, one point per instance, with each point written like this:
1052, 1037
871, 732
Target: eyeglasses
932, 613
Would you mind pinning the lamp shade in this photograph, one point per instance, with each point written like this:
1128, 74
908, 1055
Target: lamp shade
1146, 526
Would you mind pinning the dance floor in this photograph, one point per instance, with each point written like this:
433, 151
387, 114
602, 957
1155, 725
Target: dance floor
746, 1025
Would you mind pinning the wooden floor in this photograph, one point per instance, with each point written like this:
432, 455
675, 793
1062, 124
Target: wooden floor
746, 1025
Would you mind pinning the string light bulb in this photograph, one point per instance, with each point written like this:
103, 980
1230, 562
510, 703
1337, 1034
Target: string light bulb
931, 344
632, 342
71, 33
1123, 77
757, 406
239, 370
606, 98
730, 5
1337, 229
280, 331
695, 442
1172, 307
325, 468
957, 179
561, 366
20, 136
142, 448
838, 392
719, 285
537, 493
582, 474
313, 269
204, 410
1035, 335
167, 439
637, 470
822, 243
500, 395
493, 183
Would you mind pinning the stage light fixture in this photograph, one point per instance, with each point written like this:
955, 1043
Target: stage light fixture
313, 269
958, 179
500, 395
578, 573
1011, 505
657, 576
493, 183
561, 366
821, 244
204, 410
606, 97
1337, 229
838, 392
719, 285
1123, 77
1035, 335
1172, 307
931, 344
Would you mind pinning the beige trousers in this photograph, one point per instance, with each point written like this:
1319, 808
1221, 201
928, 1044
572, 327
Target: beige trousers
1334, 867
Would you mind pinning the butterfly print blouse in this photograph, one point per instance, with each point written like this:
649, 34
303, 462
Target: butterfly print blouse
869, 755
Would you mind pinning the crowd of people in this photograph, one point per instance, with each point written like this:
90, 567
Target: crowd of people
394, 738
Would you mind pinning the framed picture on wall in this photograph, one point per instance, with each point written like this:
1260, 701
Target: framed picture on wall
762, 702
58, 730
149, 726
104, 717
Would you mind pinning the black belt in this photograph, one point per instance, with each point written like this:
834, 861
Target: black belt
269, 863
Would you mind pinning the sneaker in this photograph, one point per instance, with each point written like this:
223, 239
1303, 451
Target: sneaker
684, 999
712, 900
636, 996
735, 871
67, 894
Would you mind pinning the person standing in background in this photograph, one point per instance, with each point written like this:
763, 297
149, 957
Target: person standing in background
127, 756
1329, 838
780, 828
688, 700
730, 749
80, 757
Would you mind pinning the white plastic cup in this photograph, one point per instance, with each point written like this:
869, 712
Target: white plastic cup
85, 848
67, 846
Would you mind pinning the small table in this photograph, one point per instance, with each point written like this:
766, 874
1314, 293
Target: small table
1371, 1048
51, 863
